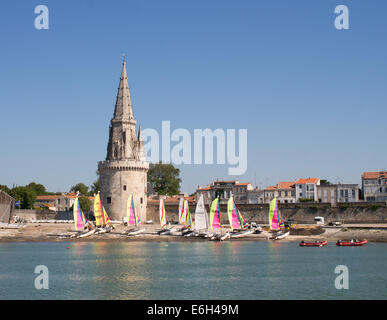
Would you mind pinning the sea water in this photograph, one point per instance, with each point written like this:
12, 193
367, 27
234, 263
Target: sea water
191, 270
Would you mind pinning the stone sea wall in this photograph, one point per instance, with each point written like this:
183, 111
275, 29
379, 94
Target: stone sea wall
300, 212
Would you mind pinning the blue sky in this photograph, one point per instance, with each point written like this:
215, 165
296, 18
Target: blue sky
313, 98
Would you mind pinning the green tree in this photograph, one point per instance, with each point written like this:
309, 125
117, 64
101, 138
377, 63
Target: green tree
324, 182
38, 188
25, 195
164, 178
85, 204
5, 188
81, 187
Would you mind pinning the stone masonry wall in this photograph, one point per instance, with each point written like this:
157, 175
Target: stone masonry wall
300, 213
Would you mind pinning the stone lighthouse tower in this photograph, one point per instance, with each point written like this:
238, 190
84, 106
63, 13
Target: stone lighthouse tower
125, 169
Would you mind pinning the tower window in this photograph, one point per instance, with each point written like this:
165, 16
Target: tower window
141, 200
109, 200
124, 187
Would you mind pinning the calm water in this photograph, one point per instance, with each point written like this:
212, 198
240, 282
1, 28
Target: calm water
199, 270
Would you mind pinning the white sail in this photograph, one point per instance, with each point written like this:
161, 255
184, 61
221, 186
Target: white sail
201, 216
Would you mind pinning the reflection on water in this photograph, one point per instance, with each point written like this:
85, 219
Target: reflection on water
185, 270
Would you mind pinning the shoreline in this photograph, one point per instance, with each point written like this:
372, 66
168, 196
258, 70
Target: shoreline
51, 232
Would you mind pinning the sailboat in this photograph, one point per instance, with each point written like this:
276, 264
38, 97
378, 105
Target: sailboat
132, 219
237, 222
80, 222
188, 224
181, 211
202, 223
163, 219
79, 218
276, 222
216, 222
102, 220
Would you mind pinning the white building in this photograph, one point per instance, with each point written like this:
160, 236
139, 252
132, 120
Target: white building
307, 189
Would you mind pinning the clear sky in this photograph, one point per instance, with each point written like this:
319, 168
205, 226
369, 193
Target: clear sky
312, 97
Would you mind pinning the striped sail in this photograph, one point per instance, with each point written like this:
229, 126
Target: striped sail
233, 214
242, 220
181, 211
187, 215
101, 218
163, 218
79, 218
281, 222
215, 217
131, 217
273, 215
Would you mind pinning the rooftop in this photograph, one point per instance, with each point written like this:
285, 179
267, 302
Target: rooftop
374, 175
308, 180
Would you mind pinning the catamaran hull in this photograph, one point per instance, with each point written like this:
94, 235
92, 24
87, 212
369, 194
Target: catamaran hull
103, 230
135, 232
164, 232
241, 234
279, 236
87, 234
219, 237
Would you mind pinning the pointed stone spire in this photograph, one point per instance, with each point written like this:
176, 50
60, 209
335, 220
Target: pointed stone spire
123, 110
139, 138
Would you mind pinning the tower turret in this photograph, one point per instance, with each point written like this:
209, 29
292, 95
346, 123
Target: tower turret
125, 168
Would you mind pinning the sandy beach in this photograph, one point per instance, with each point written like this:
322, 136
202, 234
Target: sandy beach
63, 231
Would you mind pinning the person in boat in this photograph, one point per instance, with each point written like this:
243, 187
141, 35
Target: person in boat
302, 241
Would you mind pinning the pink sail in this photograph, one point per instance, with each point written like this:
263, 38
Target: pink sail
233, 215
79, 218
130, 213
273, 215
215, 218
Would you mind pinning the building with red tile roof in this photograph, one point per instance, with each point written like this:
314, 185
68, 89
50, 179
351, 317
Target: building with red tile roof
374, 186
226, 189
307, 189
283, 191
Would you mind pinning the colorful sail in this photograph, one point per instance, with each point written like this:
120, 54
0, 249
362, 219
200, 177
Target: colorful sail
273, 215
101, 218
233, 216
79, 218
181, 211
132, 218
242, 220
188, 219
163, 218
281, 222
215, 217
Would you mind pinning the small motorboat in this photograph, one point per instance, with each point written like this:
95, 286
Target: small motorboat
313, 244
351, 243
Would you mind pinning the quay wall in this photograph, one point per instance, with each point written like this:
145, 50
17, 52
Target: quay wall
360, 212
28, 214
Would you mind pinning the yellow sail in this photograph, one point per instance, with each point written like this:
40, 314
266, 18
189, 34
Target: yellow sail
101, 217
